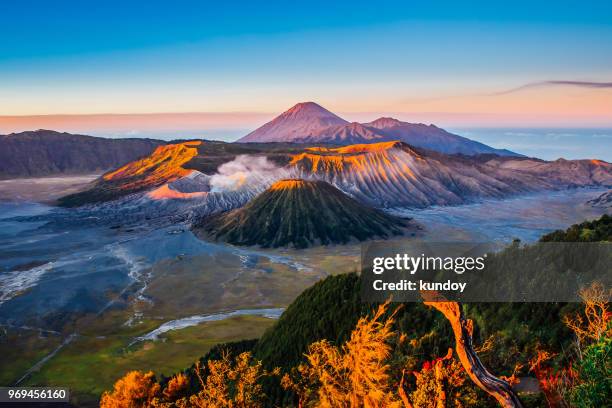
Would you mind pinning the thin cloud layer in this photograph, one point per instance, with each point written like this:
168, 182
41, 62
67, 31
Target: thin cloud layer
540, 84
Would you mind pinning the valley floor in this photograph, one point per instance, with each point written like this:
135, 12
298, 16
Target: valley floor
99, 288
43, 190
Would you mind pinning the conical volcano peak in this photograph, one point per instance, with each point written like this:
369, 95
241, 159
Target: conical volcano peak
302, 120
306, 105
300, 213
288, 184
313, 112
310, 109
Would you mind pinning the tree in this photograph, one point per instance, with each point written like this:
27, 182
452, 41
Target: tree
463, 329
555, 384
594, 322
585, 382
593, 329
134, 390
231, 384
176, 388
595, 373
353, 375
441, 383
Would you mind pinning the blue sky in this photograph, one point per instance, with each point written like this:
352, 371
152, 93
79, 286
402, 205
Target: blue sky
423, 61
54, 28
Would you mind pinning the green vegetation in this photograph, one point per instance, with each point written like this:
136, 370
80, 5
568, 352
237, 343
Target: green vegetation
507, 335
330, 309
595, 369
588, 231
21, 349
327, 310
90, 365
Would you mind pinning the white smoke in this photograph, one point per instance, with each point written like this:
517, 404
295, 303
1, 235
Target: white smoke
246, 172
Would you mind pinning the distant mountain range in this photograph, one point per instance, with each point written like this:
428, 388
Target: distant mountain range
380, 173
46, 152
309, 122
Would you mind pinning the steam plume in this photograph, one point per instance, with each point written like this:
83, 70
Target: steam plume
246, 171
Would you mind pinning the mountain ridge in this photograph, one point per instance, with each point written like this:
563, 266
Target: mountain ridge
383, 174
390, 174
308, 122
44, 152
163, 165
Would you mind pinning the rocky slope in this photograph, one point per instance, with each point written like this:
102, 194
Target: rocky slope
344, 135
602, 201
164, 165
300, 213
394, 174
570, 173
177, 162
308, 122
45, 153
384, 174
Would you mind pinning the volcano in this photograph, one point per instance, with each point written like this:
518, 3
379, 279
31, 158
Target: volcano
301, 121
164, 165
300, 213
310, 123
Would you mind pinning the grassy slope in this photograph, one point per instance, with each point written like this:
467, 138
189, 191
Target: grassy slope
31, 347
90, 365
